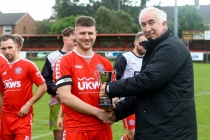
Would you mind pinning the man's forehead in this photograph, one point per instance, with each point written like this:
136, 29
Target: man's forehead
7, 40
147, 19
85, 29
7, 43
151, 15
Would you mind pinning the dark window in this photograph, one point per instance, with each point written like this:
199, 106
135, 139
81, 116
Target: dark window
24, 29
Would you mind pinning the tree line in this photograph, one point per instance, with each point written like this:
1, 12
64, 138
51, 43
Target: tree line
114, 16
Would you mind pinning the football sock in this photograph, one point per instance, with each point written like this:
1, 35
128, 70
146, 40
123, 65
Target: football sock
125, 137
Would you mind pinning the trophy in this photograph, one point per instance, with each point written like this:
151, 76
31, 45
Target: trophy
105, 76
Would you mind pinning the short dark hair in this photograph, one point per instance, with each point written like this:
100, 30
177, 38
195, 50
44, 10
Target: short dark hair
139, 34
6, 37
19, 40
68, 31
86, 21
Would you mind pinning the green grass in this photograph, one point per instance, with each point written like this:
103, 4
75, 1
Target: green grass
202, 96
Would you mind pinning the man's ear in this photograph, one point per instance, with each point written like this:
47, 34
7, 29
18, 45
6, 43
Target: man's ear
135, 43
164, 25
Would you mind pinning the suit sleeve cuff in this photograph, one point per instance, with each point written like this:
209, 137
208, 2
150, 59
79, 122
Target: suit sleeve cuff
107, 89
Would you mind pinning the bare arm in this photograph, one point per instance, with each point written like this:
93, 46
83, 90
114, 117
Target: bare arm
2, 94
77, 104
36, 96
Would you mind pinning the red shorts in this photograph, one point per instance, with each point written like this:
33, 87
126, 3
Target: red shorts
130, 122
101, 134
14, 127
0, 126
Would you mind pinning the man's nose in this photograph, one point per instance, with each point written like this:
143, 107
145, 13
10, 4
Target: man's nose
86, 36
147, 27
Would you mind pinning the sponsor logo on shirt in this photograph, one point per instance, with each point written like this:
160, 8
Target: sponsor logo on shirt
9, 84
87, 83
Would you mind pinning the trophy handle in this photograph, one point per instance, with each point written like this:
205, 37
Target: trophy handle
114, 75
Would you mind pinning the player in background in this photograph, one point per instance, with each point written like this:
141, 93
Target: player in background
2, 65
128, 65
47, 73
19, 40
61, 114
16, 87
78, 88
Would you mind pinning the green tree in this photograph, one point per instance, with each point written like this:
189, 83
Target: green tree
114, 21
67, 8
110, 4
189, 18
43, 27
64, 8
74, 7
59, 25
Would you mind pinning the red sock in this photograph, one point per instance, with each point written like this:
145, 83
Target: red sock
125, 137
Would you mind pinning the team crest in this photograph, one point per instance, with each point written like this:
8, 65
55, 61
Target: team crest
100, 67
18, 70
131, 122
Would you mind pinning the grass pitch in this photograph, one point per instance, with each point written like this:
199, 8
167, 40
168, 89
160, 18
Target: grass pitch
202, 97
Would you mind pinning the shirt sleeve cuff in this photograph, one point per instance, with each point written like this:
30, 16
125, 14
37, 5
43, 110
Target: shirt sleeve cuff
107, 89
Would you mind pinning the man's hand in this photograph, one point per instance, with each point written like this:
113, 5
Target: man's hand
60, 123
115, 100
106, 117
24, 110
109, 108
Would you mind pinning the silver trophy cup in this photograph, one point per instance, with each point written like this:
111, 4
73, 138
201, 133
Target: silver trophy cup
105, 76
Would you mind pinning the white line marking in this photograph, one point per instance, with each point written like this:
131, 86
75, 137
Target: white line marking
37, 137
202, 93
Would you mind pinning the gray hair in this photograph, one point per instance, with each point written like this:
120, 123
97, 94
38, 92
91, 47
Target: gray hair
161, 15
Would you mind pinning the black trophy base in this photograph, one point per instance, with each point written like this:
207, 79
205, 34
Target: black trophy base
105, 101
